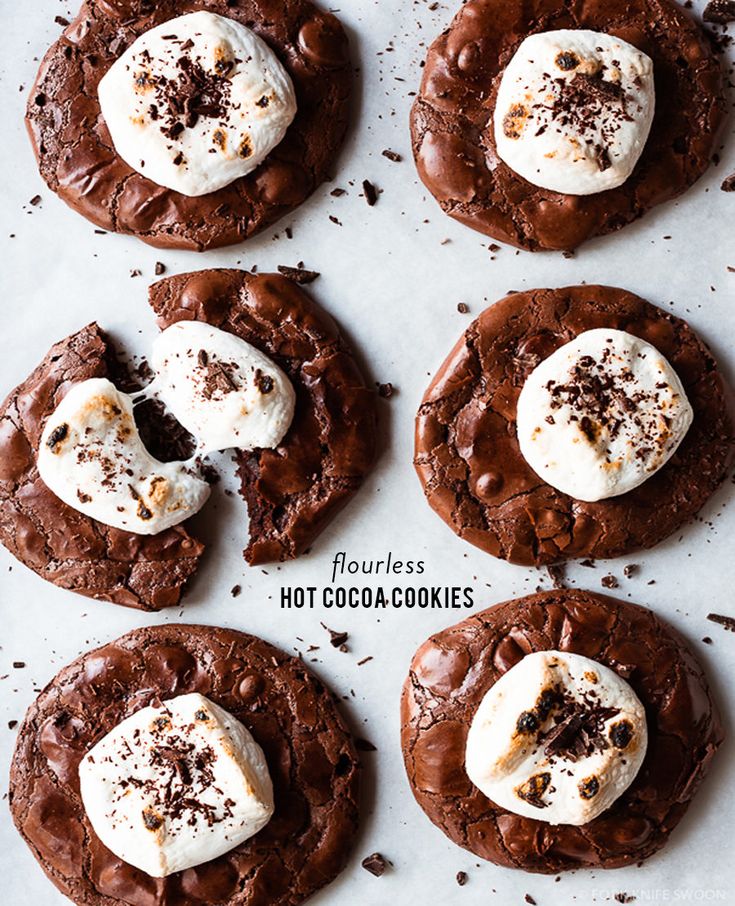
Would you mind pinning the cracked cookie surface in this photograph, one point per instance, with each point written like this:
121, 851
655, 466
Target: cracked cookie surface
311, 758
450, 674
294, 490
56, 541
78, 161
471, 467
454, 147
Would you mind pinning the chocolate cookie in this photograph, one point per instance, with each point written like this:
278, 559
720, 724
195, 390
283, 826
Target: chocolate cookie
452, 671
77, 158
292, 492
56, 541
310, 754
467, 453
455, 150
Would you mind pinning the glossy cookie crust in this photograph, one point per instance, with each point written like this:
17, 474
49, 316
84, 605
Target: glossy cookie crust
77, 158
452, 671
59, 543
310, 753
293, 491
471, 467
455, 151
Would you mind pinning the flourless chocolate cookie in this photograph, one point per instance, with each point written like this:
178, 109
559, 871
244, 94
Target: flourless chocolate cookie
59, 543
452, 671
454, 148
77, 158
467, 453
292, 491
310, 754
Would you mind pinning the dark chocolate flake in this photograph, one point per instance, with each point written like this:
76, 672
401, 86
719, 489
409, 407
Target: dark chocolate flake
723, 620
376, 864
370, 192
298, 274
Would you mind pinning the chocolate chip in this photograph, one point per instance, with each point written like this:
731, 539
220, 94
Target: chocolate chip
370, 192
527, 722
36, 200
12, 724
375, 864
392, 155
19, 665
609, 581
589, 787
386, 391
630, 570
298, 274
57, 435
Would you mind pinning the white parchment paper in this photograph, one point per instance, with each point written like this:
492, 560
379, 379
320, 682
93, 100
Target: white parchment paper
394, 286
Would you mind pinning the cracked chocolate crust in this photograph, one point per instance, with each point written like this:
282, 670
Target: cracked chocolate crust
451, 672
62, 545
77, 158
293, 491
454, 148
310, 753
471, 467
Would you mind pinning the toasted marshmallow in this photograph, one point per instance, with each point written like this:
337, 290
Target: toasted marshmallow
574, 110
601, 415
558, 738
221, 389
197, 102
92, 457
176, 785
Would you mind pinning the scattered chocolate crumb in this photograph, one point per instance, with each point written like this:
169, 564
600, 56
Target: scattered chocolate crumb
462, 878
335, 220
235, 590
364, 745
337, 639
590, 564
569, 253
392, 155
298, 274
12, 724
707, 640
624, 898
462, 308
60, 20
385, 391
36, 200
493, 247
337, 193
19, 665
557, 574
719, 11
722, 620
529, 899
371, 193
728, 184
630, 570
375, 864
160, 268
136, 272
365, 660
609, 581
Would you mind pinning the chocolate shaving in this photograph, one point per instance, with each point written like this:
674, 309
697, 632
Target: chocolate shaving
725, 621
298, 274
375, 864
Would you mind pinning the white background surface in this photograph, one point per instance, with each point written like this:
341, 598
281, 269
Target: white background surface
394, 288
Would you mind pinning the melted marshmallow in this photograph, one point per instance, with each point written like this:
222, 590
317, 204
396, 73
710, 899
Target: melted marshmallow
197, 102
601, 415
574, 110
92, 457
176, 785
558, 738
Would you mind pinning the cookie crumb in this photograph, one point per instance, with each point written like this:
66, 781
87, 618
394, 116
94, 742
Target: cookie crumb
371, 193
375, 864
299, 275
462, 878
